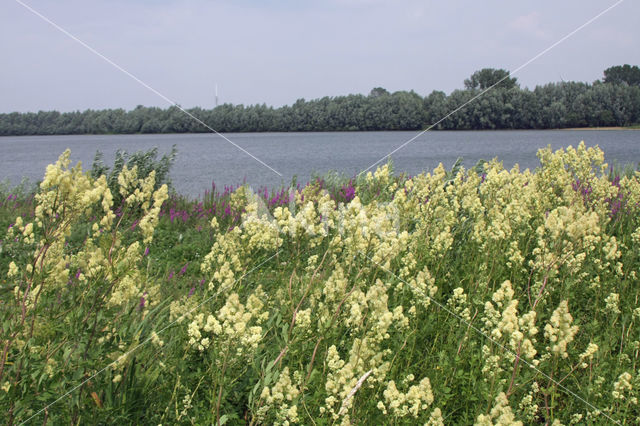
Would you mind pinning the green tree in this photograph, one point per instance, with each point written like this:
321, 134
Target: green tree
376, 92
487, 77
435, 105
623, 74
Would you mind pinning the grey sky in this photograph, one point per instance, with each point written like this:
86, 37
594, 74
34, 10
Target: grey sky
277, 51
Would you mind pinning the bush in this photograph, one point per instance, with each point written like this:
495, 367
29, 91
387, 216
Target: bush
145, 161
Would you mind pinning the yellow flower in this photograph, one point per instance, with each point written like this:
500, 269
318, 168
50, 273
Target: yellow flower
13, 270
559, 330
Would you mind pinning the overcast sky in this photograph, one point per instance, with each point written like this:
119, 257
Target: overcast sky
277, 51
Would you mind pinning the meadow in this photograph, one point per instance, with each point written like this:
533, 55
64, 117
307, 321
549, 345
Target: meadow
482, 296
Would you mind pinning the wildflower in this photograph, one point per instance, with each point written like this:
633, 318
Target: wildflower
458, 304
281, 397
576, 419
13, 270
186, 405
416, 399
528, 407
622, 385
503, 294
492, 367
155, 339
612, 302
559, 331
303, 318
587, 355
435, 419
500, 414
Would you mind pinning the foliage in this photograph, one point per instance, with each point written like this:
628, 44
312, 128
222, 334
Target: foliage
489, 77
487, 296
507, 106
623, 74
145, 162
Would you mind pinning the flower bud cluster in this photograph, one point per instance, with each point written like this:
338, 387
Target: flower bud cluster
501, 414
559, 330
417, 398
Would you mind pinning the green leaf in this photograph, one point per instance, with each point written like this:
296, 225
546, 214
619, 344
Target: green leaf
77, 374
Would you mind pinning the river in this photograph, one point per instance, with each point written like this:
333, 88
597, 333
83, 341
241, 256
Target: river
206, 158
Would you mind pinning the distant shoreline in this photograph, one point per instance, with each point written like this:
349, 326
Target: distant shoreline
603, 128
608, 128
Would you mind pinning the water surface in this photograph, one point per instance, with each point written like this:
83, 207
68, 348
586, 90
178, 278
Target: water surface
205, 158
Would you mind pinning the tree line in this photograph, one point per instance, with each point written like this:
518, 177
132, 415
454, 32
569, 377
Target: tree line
501, 104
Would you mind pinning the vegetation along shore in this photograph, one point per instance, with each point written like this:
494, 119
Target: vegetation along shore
484, 296
612, 101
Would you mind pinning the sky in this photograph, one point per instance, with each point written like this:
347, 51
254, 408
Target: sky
278, 51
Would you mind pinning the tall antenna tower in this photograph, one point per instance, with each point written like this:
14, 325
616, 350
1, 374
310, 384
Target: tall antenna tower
216, 94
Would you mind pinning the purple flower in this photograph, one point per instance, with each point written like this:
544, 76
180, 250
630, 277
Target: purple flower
170, 275
146, 251
184, 269
616, 181
193, 289
348, 191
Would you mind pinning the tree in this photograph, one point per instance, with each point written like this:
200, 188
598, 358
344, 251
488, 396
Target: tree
623, 74
376, 92
487, 77
435, 106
